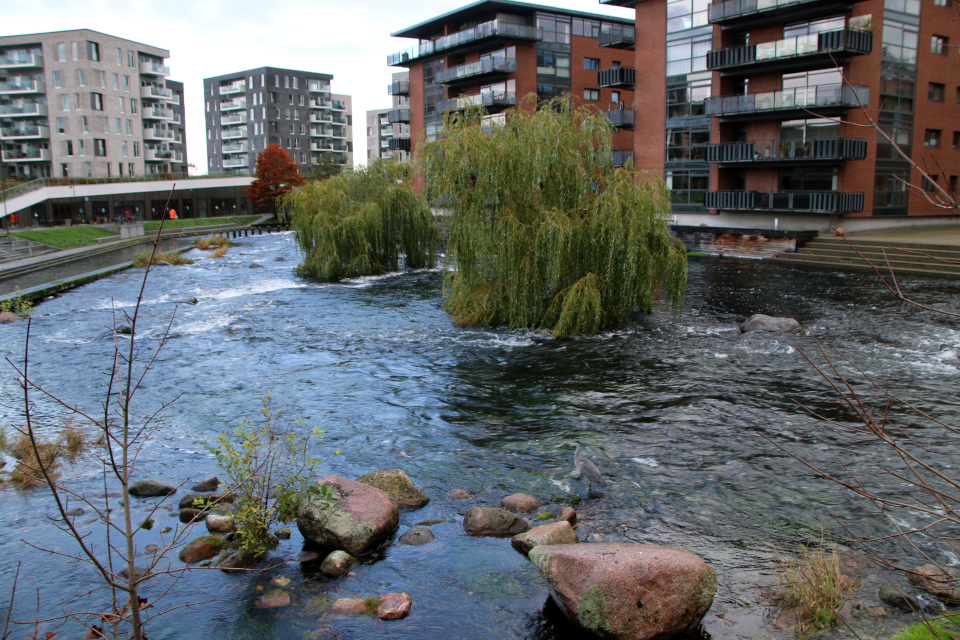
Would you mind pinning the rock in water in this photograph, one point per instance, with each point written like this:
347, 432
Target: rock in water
361, 518
394, 606
239, 559
459, 494
553, 533
274, 599
760, 322
207, 484
150, 489
398, 485
254, 265
568, 514
521, 503
417, 537
200, 549
623, 590
7, 317
348, 607
898, 598
500, 523
220, 524
337, 564
943, 582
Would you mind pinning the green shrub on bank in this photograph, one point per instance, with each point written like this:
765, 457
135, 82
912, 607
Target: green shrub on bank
945, 628
173, 257
64, 237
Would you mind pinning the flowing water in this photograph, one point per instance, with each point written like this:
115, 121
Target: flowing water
671, 410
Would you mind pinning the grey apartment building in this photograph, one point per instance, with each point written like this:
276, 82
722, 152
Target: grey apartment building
81, 103
249, 110
387, 137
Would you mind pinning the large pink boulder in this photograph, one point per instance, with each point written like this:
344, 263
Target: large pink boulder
358, 520
623, 590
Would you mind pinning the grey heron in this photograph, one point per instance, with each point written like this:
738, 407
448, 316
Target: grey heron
586, 468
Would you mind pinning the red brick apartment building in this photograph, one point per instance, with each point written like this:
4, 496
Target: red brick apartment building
759, 102
496, 52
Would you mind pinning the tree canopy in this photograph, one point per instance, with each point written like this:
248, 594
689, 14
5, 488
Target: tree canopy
277, 174
361, 223
543, 231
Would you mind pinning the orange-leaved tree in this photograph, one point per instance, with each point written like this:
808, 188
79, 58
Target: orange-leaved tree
276, 175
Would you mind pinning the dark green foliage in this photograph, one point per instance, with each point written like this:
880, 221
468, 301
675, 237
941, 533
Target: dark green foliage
543, 231
357, 224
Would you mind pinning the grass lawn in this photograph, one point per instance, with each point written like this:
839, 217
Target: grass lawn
191, 222
64, 237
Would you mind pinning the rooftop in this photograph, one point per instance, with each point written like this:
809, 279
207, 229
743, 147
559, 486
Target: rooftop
243, 74
27, 38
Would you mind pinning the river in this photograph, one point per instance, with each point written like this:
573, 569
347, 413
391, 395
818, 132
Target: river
669, 409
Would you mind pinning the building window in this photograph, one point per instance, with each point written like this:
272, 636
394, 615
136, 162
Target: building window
935, 92
65, 101
276, 80
99, 147
94, 51
106, 124
130, 64
136, 150
57, 84
938, 45
83, 121
83, 148
122, 108
591, 64
133, 105
116, 82
126, 83
130, 166
89, 170
614, 96
123, 148
929, 184
953, 186
63, 171
61, 52
129, 127
286, 82
69, 147
103, 79
119, 57
932, 139
74, 50
61, 128
82, 77
684, 14
591, 95
940, 3
119, 127
76, 99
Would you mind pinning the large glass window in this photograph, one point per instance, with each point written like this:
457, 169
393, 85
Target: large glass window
688, 56
687, 187
813, 129
808, 179
687, 98
553, 64
555, 28
686, 14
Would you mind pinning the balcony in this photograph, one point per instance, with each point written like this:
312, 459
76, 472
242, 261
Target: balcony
472, 71
801, 53
492, 101
339, 132
236, 163
234, 133
617, 36
235, 147
177, 156
26, 155
488, 30
620, 156
157, 133
233, 105
399, 144
314, 86
324, 116
153, 92
620, 118
21, 61
321, 103
154, 69
617, 77
237, 86
34, 132
157, 155
399, 88
23, 86
741, 14
802, 102
158, 113
398, 115
26, 110
773, 153
321, 132
233, 118
829, 202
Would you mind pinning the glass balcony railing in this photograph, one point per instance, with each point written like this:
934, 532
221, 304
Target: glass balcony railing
399, 144
154, 69
23, 110
157, 133
399, 88
235, 147
734, 9
237, 86
842, 96
617, 36
483, 67
314, 86
233, 133
21, 60
844, 41
28, 154
622, 118
152, 92
236, 163
34, 131
785, 150
491, 29
23, 86
833, 202
236, 103
234, 118
620, 156
398, 115
488, 99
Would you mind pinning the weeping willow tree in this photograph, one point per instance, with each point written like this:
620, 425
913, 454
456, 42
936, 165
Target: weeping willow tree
361, 223
543, 231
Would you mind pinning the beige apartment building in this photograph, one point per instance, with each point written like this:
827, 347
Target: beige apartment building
82, 103
387, 136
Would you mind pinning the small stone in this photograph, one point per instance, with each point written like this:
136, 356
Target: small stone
432, 521
140, 572
274, 599
337, 564
574, 500
394, 606
567, 514
196, 500
254, 265
546, 515
207, 484
220, 524
192, 300
151, 550
761, 322
481, 521
595, 537
521, 503
191, 515
898, 598
239, 559
348, 607
308, 556
75, 512
417, 537
7, 317
283, 534
150, 489
459, 494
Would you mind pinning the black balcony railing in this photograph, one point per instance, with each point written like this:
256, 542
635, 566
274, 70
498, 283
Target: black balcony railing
399, 144
617, 36
802, 99
399, 88
617, 77
491, 29
788, 150
620, 156
622, 118
841, 42
398, 115
491, 100
472, 70
833, 202
733, 10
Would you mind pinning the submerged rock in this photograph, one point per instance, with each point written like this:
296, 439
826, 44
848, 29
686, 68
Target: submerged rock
336, 564
500, 523
521, 503
274, 599
239, 559
394, 606
624, 590
760, 322
201, 549
553, 533
942, 582
348, 607
398, 485
205, 501
459, 494
150, 489
361, 518
417, 537
207, 484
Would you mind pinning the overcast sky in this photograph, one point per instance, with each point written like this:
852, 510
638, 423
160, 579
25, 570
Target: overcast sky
347, 38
